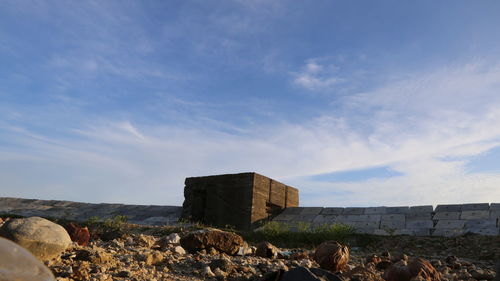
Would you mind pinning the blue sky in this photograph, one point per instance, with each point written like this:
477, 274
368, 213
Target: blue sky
356, 103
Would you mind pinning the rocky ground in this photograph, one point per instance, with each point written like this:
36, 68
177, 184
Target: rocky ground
149, 255
146, 257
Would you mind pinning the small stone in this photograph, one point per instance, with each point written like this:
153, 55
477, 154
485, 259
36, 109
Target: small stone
480, 274
124, 274
173, 238
179, 250
306, 263
266, 250
207, 272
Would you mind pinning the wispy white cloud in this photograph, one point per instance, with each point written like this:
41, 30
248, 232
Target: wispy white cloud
413, 125
318, 74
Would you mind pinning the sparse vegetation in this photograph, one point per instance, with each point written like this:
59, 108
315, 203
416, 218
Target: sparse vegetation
301, 235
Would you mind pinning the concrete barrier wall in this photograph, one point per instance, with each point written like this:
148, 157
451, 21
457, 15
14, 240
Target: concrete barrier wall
444, 220
139, 214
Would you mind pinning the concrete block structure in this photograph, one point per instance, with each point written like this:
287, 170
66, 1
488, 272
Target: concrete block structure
244, 200
239, 200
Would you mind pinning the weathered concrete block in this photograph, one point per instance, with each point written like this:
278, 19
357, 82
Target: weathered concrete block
284, 217
495, 206
448, 208
481, 223
490, 231
330, 219
475, 215
395, 224
305, 218
418, 216
448, 232
346, 218
495, 214
421, 209
394, 217
452, 224
311, 210
361, 225
476, 207
366, 224
398, 210
419, 224
292, 211
447, 216
353, 211
332, 211
375, 210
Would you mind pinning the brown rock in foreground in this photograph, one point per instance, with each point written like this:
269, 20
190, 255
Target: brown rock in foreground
332, 256
45, 239
266, 250
222, 241
80, 235
417, 268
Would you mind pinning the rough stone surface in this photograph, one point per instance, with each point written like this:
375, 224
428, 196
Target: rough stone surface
45, 239
221, 241
16, 263
332, 256
266, 250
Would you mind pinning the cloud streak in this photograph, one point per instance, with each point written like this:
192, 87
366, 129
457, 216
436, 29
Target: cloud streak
413, 125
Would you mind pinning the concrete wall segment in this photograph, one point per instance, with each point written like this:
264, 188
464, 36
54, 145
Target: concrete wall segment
448, 208
475, 215
447, 216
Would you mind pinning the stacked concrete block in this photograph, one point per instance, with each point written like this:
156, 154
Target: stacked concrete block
448, 208
445, 220
376, 211
332, 211
393, 221
446, 216
353, 211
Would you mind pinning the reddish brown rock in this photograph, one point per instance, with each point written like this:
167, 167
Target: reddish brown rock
80, 235
222, 241
332, 256
398, 272
417, 268
362, 274
423, 268
266, 250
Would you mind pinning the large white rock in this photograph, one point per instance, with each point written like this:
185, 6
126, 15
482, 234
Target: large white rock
45, 239
18, 264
